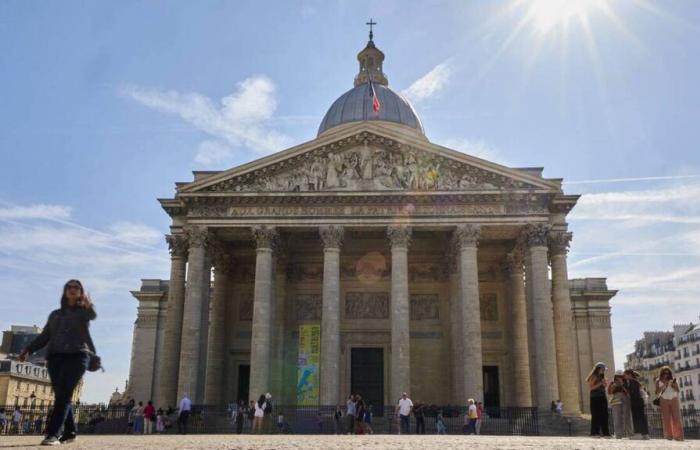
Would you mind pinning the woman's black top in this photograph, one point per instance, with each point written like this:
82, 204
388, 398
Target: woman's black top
66, 331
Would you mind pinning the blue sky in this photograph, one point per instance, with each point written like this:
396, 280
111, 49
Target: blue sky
105, 105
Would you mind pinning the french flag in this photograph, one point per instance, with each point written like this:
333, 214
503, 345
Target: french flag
375, 100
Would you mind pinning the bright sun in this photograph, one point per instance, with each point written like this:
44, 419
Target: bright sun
546, 15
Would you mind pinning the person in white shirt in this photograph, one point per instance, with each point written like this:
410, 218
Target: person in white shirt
184, 415
404, 408
16, 419
667, 390
471, 418
259, 415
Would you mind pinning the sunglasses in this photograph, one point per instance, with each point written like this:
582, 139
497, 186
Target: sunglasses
73, 286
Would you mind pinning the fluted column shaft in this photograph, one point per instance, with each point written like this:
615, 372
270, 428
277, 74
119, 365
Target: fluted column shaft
400, 237
216, 349
261, 336
330, 318
188, 379
456, 336
466, 239
522, 394
543, 346
564, 323
169, 362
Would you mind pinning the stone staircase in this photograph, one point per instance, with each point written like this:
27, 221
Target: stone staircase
555, 425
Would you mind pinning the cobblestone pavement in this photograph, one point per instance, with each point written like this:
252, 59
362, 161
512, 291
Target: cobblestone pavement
291, 442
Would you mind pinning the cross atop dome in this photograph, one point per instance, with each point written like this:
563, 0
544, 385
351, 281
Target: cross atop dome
371, 59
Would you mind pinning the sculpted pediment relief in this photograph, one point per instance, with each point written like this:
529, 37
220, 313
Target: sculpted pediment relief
367, 162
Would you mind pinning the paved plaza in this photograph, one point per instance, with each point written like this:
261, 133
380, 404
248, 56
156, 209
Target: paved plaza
326, 442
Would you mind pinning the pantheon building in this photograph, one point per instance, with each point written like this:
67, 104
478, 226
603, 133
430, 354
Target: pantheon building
370, 260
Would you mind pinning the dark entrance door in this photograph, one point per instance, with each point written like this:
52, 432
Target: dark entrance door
492, 396
243, 382
367, 376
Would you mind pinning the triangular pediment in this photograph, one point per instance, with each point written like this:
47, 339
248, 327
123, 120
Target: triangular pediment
369, 156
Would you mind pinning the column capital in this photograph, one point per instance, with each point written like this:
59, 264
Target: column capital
536, 235
198, 236
331, 236
399, 235
265, 237
467, 235
559, 242
513, 263
177, 244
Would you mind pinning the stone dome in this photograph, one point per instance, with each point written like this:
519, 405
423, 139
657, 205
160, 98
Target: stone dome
356, 105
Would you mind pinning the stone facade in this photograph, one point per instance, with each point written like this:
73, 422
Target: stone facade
434, 260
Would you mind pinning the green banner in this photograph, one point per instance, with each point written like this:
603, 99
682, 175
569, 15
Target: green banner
308, 364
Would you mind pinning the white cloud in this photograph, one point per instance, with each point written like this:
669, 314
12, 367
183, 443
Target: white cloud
35, 212
429, 84
213, 153
242, 118
41, 247
475, 147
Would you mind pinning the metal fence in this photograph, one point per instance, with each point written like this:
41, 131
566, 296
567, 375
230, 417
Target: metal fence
294, 419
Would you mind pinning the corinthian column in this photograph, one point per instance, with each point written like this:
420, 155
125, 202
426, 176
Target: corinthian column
564, 323
466, 239
216, 348
332, 237
542, 344
197, 276
169, 363
522, 394
261, 338
400, 237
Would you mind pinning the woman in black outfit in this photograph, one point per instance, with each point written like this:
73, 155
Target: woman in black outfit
67, 336
639, 416
599, 401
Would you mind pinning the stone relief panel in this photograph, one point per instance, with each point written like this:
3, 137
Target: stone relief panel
367, 162
245, 307
428, 272
308, 306
367, 305
488, 303
425, 307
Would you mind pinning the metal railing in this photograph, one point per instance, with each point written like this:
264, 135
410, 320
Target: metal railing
293, 419
689, 417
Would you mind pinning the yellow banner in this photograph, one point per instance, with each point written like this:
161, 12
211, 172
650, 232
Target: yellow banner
308, 364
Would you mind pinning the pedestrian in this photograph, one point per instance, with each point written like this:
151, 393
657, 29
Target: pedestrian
160, 421
479, 417
440, 423
559, 408
619, 404
259, 415
240, 416
184, 414
138, 418
553, 407
149, 417
640, 424
69, 349
251, 415
470, 417
419, 414
2, 420
368, 420
338, 420
667, 390
360, 409
16, 419
350, 413
404, 408
597, 386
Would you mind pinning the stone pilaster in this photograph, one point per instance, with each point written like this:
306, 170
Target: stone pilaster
542, 345
332, 237
522, 394
564, 323
166, 386
216, 349
400, 237
466, 238
190, 344
261, 338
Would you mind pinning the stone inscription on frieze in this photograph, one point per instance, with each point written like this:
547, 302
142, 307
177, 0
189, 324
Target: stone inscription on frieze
351, 210
367, 305
425, 307
367, 162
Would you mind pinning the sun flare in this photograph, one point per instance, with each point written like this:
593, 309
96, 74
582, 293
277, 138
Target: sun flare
546, 15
